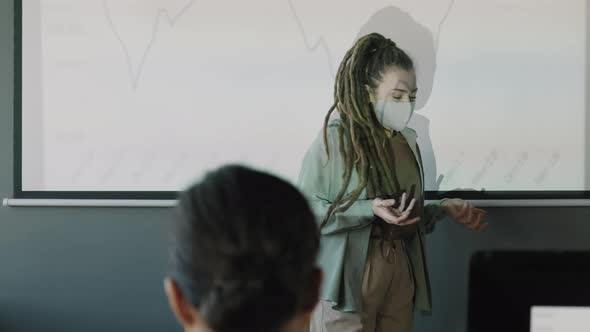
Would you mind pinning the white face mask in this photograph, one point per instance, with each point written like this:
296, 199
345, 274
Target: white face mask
394, 114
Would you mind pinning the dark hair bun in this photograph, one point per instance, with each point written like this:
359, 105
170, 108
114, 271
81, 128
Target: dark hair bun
232, 303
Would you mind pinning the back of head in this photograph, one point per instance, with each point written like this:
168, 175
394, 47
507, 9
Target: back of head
244, 248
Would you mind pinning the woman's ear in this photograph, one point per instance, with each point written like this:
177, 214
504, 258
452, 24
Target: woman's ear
186, 315
371, 94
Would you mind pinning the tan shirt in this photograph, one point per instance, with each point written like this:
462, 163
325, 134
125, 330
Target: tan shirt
407, 172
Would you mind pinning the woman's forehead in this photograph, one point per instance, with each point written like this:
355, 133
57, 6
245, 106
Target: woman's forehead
396, 77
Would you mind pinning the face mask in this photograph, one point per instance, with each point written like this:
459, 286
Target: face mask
394, 115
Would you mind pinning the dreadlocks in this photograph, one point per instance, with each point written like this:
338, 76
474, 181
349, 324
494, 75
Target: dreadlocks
362, 138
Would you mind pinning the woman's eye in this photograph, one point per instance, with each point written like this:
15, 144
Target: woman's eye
397, 97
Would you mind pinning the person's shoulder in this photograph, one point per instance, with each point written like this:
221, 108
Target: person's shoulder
331, 132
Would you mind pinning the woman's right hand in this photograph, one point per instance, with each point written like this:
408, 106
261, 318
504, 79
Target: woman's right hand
384, 209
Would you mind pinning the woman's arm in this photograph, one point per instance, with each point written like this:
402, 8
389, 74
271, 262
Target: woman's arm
320, 179
433, 212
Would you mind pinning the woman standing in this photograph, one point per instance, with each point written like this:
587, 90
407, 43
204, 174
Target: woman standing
363, 176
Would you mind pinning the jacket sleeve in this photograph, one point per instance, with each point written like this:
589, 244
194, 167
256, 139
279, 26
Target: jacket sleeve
433, 211
320, 179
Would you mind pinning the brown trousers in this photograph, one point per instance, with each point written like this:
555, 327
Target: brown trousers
387, 295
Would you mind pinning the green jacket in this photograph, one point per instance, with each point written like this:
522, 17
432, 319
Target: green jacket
345, 237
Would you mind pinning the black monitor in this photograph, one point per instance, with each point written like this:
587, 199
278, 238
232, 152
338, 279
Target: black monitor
524, 291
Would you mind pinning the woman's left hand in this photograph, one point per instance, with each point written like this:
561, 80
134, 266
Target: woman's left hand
465, 213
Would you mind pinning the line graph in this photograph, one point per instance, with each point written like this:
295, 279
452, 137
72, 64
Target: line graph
321, 42
135, 70
442, 21
162, 15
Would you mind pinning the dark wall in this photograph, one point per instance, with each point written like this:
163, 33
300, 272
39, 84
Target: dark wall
101, 269
75, 269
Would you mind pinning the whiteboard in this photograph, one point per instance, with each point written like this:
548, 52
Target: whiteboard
147, 95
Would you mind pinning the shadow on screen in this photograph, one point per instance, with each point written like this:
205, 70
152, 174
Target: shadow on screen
418, 41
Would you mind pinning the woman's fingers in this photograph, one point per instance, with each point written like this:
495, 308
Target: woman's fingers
411, 206
387, 202
462, 211
477, 216
480, 211
401, 212
400, 219
390, 218
467, 214
409, 222
478, 223
396, 213
474, 224
470, 214
402, 205
399, 215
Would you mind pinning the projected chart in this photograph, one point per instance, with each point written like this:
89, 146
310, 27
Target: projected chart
148, 95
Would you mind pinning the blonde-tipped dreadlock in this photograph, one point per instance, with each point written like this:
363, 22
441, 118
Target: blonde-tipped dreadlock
361, 136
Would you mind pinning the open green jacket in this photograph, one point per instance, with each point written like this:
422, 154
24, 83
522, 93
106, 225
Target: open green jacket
345, 237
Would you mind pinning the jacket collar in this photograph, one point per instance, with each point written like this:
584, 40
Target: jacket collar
410, 136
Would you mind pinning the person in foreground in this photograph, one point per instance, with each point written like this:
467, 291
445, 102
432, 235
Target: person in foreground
244, 249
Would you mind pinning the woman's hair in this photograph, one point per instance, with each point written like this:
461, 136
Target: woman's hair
244, 249
361, 136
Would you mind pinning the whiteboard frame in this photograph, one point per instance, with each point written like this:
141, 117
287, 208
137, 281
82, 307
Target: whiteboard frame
164, 198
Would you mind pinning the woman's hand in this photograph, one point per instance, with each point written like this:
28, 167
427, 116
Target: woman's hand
384, 209
465, 213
